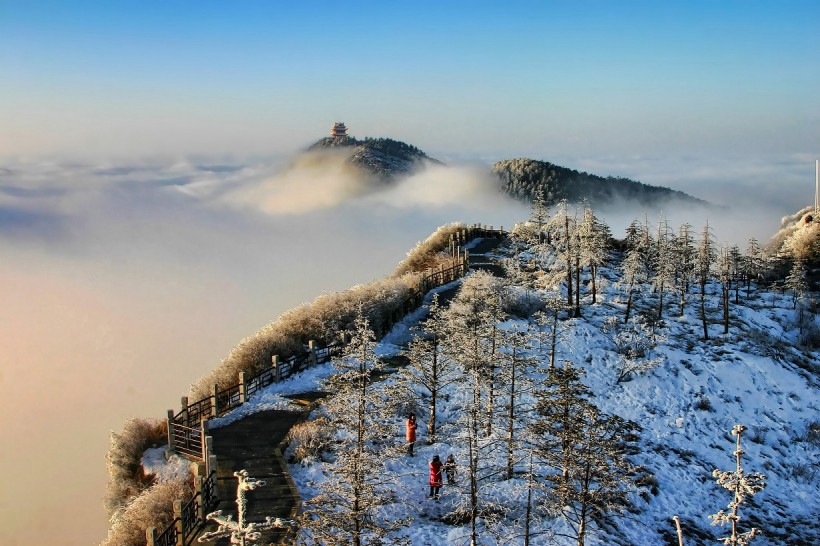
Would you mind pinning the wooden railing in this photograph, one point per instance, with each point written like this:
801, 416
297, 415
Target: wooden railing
187, 430
189, 517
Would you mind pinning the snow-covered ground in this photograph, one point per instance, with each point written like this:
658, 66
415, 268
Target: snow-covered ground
686, 408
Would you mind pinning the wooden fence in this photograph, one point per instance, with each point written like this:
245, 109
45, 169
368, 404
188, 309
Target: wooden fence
188, 429
189, 517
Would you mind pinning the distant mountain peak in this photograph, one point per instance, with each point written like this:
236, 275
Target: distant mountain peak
384, 157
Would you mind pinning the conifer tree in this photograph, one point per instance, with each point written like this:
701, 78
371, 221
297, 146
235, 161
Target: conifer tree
471, 324
429, 370
585, 450
725, 268
753, 264
665, 263
634, 269
704, 260
684, 252
346, 512
594, 245
515, 378
550, 330
562, 230
742, 485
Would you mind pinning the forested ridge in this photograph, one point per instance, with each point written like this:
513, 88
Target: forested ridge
528, 178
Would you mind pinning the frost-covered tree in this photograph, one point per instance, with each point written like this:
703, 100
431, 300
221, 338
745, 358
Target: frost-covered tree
664, 263
704, 261
515, 381
593, 236
635, 343
346, 511
551, 331
752, 264
240, 531
562, 229
742, 486
470, 342
429, 370
684, 251
585, 451
736, 266
726, 276
634, 266
796, 283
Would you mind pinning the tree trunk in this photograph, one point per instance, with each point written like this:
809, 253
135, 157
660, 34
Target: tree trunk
577, 285
431, 424
510, 417
569, 262
703, 311
592, 271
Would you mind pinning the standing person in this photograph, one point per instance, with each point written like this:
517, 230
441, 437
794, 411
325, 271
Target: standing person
435, 477
411, 433
450, 469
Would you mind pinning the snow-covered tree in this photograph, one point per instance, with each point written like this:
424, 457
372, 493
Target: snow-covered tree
704, 261
429, 370
742, 486
752, 264
585, 451
551, 330
684, 251
471, 343
594, 238
726, 276
634, 266
562, 230
665, 263
634, 342
516, 383
796, 282
347, 509
241, 532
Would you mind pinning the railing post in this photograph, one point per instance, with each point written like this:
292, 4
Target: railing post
203, 436
212, 465
277, 371
151, 536
198, 479
314, 359
171, 430
214, 401
208, 451
184, 413
243, 388
178, 522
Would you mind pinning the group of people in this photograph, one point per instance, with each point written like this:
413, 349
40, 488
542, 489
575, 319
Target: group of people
436, 466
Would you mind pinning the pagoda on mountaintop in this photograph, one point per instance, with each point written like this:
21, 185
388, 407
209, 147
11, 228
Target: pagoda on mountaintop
338, 130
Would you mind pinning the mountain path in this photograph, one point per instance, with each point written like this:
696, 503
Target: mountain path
252, 443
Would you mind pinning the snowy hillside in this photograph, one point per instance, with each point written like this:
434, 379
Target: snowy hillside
685, 393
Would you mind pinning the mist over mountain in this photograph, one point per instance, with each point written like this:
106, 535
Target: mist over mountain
383, 160
526, 178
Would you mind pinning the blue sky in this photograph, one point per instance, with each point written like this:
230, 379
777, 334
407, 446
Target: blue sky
471, 79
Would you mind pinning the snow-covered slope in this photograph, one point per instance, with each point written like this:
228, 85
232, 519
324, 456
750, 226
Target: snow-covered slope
686, 406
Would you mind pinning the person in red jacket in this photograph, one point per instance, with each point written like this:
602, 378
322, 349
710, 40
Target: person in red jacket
435, 477
411, 433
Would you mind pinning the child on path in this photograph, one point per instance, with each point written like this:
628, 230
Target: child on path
435, 477
450, 469
411, 427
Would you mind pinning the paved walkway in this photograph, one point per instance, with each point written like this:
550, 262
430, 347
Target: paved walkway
251, 444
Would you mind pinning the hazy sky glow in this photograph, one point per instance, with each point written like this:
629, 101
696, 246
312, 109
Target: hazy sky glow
146, 224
